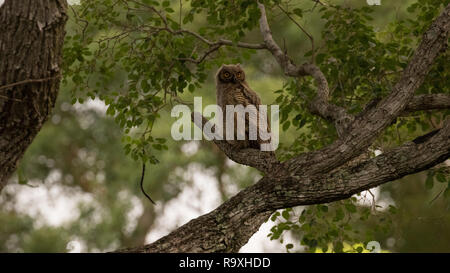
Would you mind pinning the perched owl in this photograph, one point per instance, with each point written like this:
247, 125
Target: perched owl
232, 89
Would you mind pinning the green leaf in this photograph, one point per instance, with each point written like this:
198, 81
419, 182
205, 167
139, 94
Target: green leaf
350, 208
339, 215
274, 216
392, 209
285, 215
320, 57
338, 247
21, 178
447, 192
441, 177
286, 125
429, 182
191, 88
298, 12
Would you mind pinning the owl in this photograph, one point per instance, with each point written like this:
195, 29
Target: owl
232, 89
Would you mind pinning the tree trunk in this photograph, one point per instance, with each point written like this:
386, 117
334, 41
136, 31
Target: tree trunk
31, 40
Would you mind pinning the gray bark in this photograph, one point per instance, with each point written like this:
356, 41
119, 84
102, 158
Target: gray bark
31, 39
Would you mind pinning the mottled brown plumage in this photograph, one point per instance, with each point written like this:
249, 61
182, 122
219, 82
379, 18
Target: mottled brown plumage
232, 89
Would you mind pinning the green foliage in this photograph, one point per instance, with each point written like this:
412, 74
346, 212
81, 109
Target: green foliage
361, 65
319, 226
135, 56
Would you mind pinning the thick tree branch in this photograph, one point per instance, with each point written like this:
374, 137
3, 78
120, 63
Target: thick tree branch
228, 227
266, 162
412, 157
365, 128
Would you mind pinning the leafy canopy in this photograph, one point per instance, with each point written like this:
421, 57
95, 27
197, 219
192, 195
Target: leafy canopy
140, 57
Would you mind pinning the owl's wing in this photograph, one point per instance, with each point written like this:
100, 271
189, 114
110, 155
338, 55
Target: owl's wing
251, 97
254, 99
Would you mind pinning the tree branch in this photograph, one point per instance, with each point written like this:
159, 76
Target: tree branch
229, 227
361, 133
28, 81
428, 102
320, 105
220, 41
266, 162
283, 60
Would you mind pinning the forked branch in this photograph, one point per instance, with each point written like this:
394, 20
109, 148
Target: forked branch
320, 105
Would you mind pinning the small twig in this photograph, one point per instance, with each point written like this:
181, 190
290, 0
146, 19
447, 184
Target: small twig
27, 81
373, 200
77, 18
198, 61
436, 197
179, 100
303, 30
142, 185
6, 98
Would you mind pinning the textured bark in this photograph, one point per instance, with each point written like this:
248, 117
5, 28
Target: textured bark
31, 39
428, 102
325, 175
228, 228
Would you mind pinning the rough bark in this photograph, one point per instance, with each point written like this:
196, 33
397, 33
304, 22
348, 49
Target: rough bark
428, 102
322, 176
31, 39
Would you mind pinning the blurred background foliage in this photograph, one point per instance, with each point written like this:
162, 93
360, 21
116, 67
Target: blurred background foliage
77, 188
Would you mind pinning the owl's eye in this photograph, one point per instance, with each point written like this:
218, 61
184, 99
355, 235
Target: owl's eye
226, 75
239, 75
